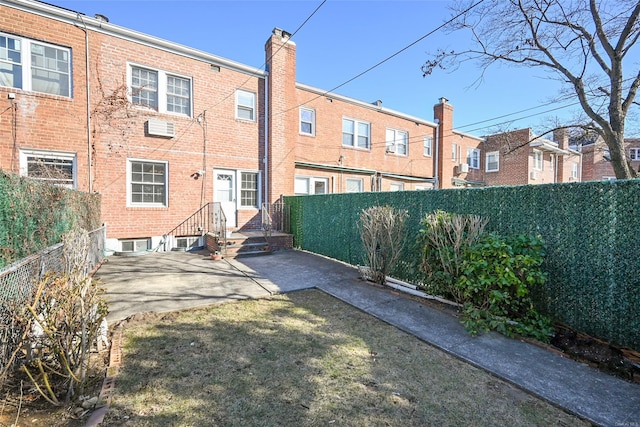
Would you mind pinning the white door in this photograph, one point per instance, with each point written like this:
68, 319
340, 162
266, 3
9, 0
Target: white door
224, 188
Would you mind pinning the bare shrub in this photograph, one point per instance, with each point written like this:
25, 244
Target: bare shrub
382, 231
63, 320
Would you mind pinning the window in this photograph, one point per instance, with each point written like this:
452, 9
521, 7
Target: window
537, 160
57, 168
454, 152
574, 170
34, 66
428, 146
245, 105
355, 133
396, 186
134, 245
397, 142
178, 95
473, 158
249, 189
310, 185
147, 183
160, 91
307, 121
144, 87
634, 153
493, 161
354, 185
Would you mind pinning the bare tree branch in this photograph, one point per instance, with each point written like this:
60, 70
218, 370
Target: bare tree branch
583, 42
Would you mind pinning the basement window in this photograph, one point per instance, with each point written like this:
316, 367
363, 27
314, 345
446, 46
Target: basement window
134, 245
188, 242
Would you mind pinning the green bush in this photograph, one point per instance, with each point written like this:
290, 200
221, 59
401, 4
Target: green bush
443, 239
496, 276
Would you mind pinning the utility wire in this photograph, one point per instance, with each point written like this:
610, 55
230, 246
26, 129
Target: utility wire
387, 58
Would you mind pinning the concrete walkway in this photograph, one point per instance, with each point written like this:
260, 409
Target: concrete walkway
173, 281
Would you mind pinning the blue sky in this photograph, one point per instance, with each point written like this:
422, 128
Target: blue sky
343, 39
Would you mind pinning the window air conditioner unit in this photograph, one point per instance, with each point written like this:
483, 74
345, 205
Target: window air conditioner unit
464, 168
391, 148
157, 127
534, 175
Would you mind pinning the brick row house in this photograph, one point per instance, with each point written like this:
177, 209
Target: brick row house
161, 129
597, 163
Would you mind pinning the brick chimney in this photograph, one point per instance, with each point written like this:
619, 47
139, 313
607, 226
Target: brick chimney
281, 120
443, 113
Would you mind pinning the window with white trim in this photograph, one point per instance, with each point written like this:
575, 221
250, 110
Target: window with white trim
304, 185
245, 105
397, 142
249, 189
473, 158
159, 90
428, 146
356, 133
574, 170
34, 66
134, 245
55, 167
354, 185
492, 161
537, 160
307, 121
147, 183
634, 153
396, 186
454, 152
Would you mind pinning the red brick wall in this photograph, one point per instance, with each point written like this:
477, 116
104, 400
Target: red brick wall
218, 140
42, 121
326, 147
215, 140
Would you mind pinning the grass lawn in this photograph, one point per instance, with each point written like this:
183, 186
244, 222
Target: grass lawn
304, 359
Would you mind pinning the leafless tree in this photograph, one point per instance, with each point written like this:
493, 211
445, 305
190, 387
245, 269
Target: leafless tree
587, 44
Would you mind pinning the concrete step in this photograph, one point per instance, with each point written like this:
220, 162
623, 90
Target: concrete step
240, 245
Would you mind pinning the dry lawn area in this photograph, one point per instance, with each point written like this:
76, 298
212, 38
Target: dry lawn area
303, 359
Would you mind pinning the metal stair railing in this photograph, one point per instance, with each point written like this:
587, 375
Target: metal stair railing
198, 224
219, 222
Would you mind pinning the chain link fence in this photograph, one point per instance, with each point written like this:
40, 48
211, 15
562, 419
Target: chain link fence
18, 281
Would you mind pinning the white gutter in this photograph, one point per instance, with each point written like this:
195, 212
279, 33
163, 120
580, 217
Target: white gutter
365, 104
70, 17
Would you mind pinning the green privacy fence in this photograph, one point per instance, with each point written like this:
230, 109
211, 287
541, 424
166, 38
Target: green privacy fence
34, 215
591, 230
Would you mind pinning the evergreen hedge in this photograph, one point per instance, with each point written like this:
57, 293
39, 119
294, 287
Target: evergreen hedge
591, 231
35, 215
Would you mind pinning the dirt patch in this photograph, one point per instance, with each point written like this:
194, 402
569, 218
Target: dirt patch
22, 405
621, 362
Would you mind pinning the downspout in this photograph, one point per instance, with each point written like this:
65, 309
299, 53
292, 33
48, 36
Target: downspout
265, 161
436, 154
87, 88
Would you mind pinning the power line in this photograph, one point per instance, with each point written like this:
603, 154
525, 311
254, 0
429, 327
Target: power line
387, 58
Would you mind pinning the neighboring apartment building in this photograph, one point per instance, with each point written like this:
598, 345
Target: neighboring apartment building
596, 161
519, 157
